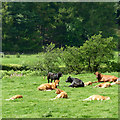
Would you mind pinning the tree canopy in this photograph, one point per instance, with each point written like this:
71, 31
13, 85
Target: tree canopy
27, 26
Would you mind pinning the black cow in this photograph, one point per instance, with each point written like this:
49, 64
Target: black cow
75, 82
54, 76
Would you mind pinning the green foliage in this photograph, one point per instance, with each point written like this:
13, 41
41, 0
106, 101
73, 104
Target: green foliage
97, 50
89, 57
117, 11
51, 59
72, 59
14, 67
29, 26
7, 56
18, 55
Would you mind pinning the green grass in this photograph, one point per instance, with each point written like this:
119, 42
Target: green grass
24, 59
37, 104
31, 59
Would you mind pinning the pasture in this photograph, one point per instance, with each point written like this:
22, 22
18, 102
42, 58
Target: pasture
37, 104
76, 39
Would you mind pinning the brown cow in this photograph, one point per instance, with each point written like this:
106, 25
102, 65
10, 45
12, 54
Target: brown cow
88, 83
61, 94
49, 86
15, 97
105, 78
103, 85
97, 97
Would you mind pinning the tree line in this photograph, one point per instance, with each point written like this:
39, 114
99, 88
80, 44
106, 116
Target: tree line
28, 26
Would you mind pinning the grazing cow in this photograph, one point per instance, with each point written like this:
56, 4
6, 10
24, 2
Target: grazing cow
61, 94
105, 78
53, 76
75, 82
15, 97
49, 86
97, 97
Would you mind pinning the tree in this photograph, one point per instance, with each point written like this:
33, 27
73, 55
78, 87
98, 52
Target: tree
97, 50
28, 26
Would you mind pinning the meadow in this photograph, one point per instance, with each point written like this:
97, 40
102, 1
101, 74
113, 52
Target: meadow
76, 39
38, 104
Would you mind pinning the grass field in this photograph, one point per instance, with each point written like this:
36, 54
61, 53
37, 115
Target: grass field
37, 104
24, 59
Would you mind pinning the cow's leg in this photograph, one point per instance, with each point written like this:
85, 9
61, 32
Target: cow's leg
72, 84
51, 80
48, 80
48, 77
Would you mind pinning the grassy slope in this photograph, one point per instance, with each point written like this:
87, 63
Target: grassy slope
37, 104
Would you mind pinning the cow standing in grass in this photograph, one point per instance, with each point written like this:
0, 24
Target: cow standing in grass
54, 76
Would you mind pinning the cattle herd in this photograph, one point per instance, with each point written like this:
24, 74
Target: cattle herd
108, 80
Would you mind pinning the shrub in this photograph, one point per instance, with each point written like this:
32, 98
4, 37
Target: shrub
111, 66
50, 59
96, 51
72, 58
18, 55
7, 56
14, 67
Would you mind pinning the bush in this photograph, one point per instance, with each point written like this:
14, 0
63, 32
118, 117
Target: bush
113, 66
13, 67
73, 59
18, 55
6, 56
50, 59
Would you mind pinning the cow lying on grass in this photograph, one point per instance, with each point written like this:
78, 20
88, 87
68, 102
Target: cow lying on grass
75, 82
107, 84
15, 97
105, 78
118, 81
54, 76
49, 86
61, 94
88, 83
97, 97
103, 85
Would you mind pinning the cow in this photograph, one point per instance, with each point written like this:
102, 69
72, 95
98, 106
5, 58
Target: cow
105, 78
75, 82
54, 76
